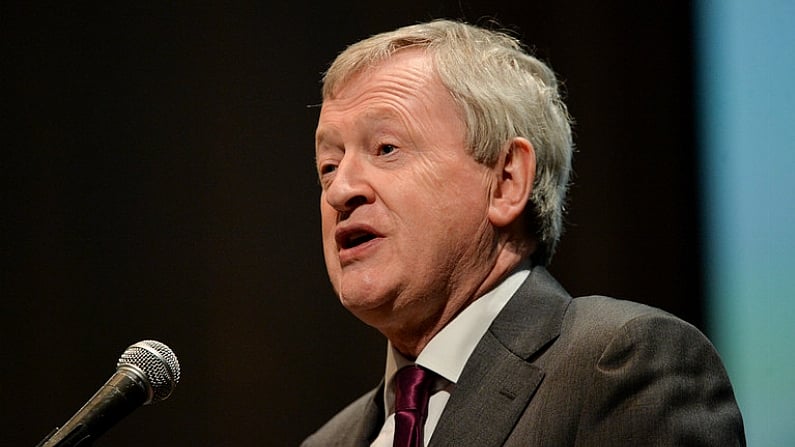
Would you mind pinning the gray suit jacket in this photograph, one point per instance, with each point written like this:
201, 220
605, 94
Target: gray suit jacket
557, 371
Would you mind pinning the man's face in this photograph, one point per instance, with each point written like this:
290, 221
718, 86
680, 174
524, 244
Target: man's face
403, 204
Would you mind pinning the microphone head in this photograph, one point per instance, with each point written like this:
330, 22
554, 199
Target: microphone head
158, 364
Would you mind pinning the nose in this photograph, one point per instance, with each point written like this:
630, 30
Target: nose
350, 187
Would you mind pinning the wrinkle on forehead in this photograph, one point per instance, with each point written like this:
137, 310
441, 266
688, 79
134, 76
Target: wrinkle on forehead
405, 88
409, 62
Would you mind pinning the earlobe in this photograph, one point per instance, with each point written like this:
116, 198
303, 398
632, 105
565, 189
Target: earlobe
515, 173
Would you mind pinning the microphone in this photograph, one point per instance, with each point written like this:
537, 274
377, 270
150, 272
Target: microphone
146, 372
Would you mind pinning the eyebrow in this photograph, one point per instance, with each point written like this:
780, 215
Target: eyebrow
323, 134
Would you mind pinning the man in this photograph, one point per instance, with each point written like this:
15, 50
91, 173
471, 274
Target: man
444, 152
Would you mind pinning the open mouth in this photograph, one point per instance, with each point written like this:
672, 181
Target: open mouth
355, 238
352, 236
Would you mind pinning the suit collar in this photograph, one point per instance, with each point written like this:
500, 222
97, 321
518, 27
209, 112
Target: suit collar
499, 380
533, 317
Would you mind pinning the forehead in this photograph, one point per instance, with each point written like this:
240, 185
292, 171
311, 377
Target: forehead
404, 67
403, 87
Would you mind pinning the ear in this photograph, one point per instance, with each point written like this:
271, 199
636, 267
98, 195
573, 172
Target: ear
515, 172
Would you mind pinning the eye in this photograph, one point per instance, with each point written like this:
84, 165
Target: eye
325, 173
327, 168
386, 149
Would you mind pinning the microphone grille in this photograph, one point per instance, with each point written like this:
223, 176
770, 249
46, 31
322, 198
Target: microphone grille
158, 363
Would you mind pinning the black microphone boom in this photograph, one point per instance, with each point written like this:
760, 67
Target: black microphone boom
147, 372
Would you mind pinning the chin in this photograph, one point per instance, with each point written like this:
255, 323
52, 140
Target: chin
359, 302
365, 303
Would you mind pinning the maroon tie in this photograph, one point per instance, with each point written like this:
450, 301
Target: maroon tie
412, 390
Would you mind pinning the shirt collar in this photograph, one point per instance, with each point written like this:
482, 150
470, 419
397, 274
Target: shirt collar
448, 351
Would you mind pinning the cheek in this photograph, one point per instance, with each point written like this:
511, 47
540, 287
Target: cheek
440, 206
460, 201
452, 178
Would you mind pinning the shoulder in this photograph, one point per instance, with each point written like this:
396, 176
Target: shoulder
612, 311
611, 342
617, 326
621, 318
598, 331
588, 324
649, 365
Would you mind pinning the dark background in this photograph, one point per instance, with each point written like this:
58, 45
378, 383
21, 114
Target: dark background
158, 183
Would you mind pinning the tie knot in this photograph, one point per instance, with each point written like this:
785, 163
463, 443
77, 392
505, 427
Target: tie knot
412, 388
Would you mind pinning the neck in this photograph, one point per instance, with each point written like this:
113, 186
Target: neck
412, 338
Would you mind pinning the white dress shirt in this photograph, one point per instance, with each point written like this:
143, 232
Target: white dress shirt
446, 354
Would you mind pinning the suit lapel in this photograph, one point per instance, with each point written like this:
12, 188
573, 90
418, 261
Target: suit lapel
498, 380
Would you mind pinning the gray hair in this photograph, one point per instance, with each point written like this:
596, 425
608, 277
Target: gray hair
504, 93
